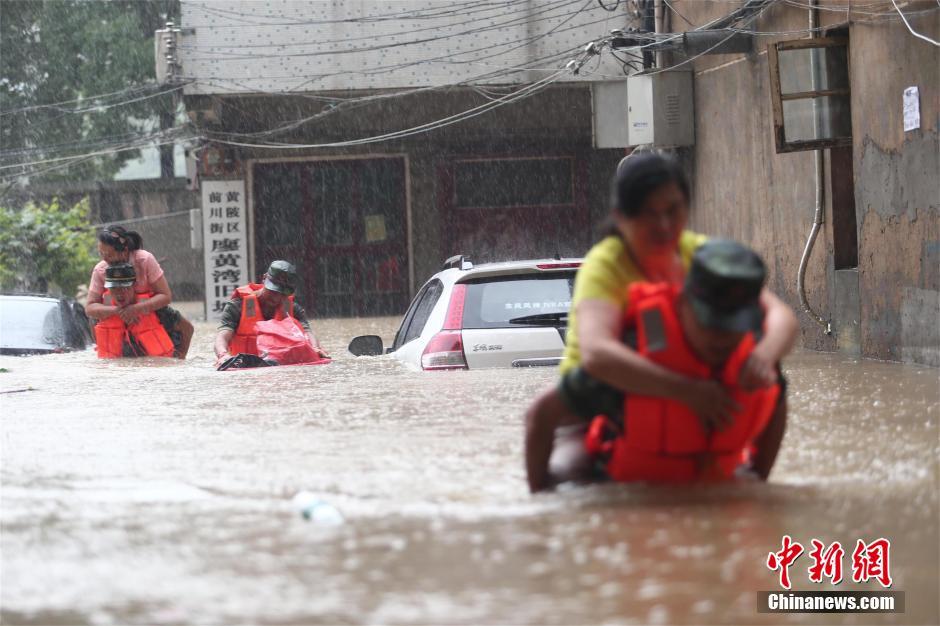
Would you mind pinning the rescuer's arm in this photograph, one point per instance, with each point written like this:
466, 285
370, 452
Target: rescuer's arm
186, 331
222, 339
316, 343
607, 358
162, 296
228, 322
301, 316
780, 331
96, 307
768, 442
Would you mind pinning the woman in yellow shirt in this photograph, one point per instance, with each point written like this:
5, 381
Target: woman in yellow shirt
647, 241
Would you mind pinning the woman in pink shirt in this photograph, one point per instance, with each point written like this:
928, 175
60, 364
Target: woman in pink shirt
117, 245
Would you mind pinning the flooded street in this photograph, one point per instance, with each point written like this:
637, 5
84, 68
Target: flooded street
161, 493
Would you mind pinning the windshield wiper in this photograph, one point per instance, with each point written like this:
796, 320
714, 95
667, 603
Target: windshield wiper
541, 319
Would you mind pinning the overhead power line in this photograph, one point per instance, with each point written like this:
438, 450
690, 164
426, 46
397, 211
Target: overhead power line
573, 65
910, 28
450, 57
133, 94
416, 14
373, 36
144, 141
517, 21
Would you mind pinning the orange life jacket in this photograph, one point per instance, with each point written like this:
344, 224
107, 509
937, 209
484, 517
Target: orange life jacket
662, 440
246, 335
111, 334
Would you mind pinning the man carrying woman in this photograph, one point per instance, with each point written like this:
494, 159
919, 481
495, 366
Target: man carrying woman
646, 243
117, 245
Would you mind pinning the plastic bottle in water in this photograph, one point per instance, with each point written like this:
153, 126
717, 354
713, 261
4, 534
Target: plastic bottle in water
317, 510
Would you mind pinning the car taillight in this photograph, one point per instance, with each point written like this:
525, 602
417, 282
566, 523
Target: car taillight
454, 319
444, 352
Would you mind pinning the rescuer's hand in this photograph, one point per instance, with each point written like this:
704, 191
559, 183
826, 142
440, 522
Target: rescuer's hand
758, 371
108, 310
131, 313
711, 402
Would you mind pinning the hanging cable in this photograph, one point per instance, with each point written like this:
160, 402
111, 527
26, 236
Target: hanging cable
136, 97
99, 153
673, 9
415, 14
361, 101
908, 24
526, 19
451, 58
692, 58
573, 66
557, 4
464, 115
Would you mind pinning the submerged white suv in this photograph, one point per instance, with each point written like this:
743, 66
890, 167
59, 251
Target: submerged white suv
512, 314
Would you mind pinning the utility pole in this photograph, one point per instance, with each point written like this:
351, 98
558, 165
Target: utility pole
167, 66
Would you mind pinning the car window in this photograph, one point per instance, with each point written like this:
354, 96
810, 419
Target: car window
406, 319
491, 302
27, 324
419, 311
77, 329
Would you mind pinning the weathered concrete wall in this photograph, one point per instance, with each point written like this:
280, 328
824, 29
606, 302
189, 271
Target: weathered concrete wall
744, 189
741, 187
897, 190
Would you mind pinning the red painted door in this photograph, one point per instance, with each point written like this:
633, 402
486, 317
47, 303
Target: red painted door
352, 242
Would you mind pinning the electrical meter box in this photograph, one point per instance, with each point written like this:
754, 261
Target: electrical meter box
609, 106
660, 110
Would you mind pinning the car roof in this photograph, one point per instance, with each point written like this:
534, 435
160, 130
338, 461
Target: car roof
508, 268
28, 296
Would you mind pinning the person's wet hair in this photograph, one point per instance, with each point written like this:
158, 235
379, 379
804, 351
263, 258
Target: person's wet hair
638, 175
120, 238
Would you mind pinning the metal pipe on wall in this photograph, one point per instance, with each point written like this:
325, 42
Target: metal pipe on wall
658, 18
818, 217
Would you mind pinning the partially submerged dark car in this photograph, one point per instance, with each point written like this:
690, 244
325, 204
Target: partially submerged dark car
40, 324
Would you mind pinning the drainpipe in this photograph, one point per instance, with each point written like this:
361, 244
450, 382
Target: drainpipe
818, 167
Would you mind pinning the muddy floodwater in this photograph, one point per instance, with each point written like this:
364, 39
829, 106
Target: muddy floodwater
160, 493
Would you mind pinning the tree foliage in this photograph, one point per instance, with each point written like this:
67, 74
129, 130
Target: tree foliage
46, 247
54, 51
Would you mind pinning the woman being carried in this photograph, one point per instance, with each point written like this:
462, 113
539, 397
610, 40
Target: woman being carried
117, 245
647, 242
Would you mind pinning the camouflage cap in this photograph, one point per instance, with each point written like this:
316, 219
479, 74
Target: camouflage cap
281, 277
119, 275
724, 285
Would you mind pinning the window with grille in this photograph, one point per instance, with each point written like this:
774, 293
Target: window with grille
811, 97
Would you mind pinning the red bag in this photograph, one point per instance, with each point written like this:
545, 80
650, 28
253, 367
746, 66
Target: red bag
286, 342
